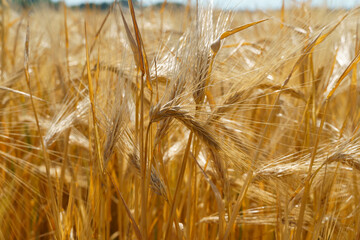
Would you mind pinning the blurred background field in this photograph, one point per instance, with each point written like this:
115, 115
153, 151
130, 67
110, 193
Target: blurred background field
227, 4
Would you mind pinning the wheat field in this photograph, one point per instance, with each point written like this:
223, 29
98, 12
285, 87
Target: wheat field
179, 122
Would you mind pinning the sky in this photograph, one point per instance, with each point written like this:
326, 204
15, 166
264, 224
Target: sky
242, 4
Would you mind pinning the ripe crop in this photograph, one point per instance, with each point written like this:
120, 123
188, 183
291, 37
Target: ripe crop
179, 122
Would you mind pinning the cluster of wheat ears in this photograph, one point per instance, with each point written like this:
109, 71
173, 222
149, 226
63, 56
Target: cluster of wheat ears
179, 123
